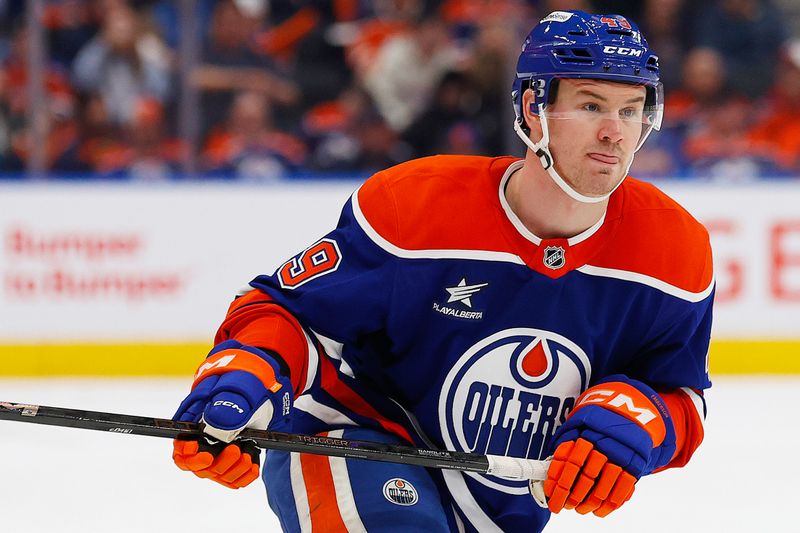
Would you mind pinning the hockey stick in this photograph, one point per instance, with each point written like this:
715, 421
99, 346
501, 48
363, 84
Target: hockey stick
505, 467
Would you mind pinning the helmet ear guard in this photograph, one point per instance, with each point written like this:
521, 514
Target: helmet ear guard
551, 98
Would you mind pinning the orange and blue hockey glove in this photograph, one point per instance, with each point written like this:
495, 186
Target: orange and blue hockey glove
619, 430
236, 387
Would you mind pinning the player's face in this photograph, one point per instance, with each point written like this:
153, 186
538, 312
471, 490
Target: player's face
595, 127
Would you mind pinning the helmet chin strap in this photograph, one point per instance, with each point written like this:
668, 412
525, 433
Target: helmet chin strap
542, 150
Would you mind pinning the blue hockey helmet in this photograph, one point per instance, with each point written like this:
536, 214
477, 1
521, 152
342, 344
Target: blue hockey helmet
574, 44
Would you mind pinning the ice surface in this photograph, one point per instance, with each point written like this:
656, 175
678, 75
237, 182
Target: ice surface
743, 479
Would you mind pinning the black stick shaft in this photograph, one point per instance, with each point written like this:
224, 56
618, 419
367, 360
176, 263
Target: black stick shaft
271, 440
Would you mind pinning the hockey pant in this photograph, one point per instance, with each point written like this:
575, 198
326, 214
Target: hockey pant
315, 493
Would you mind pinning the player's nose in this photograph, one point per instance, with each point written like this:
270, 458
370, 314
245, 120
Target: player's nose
610, 130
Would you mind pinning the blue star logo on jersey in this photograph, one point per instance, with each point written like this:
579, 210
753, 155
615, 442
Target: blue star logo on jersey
507, 394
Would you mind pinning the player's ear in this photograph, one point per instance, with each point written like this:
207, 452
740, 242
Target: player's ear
530, 116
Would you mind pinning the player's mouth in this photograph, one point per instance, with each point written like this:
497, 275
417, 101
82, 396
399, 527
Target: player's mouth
606, 159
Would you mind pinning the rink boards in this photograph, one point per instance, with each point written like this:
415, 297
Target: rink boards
133, 279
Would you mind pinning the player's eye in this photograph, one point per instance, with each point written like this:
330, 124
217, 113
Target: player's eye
592, 108
628, 113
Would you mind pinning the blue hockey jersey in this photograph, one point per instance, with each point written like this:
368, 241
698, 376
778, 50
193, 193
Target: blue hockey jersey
432, 313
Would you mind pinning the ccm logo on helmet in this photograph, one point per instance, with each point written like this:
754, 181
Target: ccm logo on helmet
622, 51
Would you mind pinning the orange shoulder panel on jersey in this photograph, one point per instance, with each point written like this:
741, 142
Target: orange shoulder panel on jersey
654, 236
688, 423
454, 195
256, 320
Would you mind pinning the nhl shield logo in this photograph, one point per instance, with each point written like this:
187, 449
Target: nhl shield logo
554, 257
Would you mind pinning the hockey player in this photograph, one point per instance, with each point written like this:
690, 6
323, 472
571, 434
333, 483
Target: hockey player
536, 307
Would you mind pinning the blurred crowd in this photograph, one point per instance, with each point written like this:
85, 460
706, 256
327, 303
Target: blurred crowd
294, 87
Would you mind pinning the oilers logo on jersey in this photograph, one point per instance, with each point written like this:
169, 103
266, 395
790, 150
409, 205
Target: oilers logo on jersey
400, 492
508, 393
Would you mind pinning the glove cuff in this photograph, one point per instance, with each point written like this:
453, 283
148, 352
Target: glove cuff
231, 356
634, 404
639, 403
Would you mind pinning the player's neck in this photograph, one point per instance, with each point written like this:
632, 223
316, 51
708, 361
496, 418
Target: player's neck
544, 209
